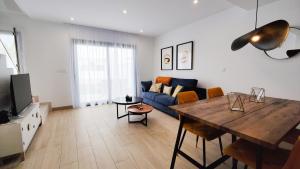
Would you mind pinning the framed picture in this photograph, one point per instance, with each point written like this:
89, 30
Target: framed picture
167, 58
184, 56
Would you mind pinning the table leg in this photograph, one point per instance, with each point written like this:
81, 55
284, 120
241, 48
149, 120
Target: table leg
128, 117
117, 111
146, 119
118, 117
177, 143
259, 157
234, 161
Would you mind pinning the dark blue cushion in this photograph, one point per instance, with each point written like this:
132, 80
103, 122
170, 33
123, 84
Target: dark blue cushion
150, 95
165, 99
146, 85
187, 83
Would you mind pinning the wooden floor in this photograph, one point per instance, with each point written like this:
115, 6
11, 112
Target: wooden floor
92, 138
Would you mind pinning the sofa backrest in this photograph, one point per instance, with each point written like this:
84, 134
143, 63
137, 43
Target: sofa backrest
188, 84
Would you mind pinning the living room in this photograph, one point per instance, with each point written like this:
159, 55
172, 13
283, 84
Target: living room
89, 69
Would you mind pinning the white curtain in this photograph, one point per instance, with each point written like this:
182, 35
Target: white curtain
102, 71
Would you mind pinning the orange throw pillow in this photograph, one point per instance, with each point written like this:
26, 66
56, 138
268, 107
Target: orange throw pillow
163, 80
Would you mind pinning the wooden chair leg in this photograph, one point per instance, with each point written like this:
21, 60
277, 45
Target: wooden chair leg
204, 153
221, 146
197, 139
183, 136
245, 167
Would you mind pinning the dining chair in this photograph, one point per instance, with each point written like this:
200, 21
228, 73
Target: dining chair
292, 136
214, 92
207, 133
245, 152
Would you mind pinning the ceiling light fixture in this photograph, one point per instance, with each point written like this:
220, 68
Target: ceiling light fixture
141, 30
196, 1
124, 11
72, 19
267, 37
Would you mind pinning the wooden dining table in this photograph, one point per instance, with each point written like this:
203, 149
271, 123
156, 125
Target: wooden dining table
264, 124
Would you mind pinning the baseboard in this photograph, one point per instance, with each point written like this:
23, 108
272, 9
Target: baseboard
49, 104
62, 108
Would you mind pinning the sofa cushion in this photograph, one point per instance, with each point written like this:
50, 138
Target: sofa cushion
167, 90
186, 83
156, 87
165, 99
163, 80
146, 85
150, 95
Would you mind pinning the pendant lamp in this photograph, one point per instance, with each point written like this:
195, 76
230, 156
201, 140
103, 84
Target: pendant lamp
267, 37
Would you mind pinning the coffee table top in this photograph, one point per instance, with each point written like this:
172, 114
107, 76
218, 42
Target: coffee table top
140, 109
122, 100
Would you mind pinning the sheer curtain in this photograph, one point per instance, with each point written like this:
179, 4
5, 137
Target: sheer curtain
122, 70
102, 71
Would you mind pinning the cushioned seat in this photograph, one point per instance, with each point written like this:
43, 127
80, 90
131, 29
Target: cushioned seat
245, 152
204, 131
150, 95
165, 99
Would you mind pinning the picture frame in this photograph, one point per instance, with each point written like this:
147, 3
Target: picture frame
184, 56
166, 58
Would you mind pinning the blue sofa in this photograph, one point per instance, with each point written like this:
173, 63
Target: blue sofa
162, 101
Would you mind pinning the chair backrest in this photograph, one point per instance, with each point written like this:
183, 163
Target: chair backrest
214, 92
294, 159
187, 97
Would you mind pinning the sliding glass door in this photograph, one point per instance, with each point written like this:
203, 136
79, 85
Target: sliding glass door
103, 71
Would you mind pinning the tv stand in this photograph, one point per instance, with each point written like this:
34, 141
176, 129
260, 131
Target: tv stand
17, 134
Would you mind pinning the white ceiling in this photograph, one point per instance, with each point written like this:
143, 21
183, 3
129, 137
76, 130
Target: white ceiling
153, 16
250, 4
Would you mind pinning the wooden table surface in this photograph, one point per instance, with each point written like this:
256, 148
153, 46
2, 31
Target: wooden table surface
262, 123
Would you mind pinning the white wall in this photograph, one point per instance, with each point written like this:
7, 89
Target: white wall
216, 65
47, 50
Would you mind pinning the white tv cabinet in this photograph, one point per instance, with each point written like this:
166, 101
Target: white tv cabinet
17, 134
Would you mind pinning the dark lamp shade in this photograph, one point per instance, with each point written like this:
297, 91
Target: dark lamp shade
267, 37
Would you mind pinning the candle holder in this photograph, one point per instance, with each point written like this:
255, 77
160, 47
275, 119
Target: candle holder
235, 102
257, 95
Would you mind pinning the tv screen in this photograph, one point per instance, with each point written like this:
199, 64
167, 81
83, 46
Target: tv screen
20, 93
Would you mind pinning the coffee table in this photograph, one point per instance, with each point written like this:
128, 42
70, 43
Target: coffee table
122, 101
141, 109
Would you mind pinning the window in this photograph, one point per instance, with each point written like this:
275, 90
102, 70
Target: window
8, 49
103, 71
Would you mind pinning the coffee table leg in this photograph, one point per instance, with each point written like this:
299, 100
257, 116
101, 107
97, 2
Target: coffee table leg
128, 117
118, 117
146, 119
117, 111
143, 121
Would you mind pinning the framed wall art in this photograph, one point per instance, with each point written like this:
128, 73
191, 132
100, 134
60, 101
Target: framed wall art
184, 56
167, 58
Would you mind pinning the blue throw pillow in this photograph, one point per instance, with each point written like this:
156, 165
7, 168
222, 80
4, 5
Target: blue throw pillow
146, 85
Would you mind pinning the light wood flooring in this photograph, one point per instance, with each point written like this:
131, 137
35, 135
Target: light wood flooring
93, 138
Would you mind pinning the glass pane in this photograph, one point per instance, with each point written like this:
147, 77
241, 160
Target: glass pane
8, 48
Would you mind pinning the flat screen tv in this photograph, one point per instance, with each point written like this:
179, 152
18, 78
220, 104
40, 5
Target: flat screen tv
20, 93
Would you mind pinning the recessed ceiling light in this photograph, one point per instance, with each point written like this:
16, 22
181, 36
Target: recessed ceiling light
141, 30
72, 19
196, 1
124, 11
